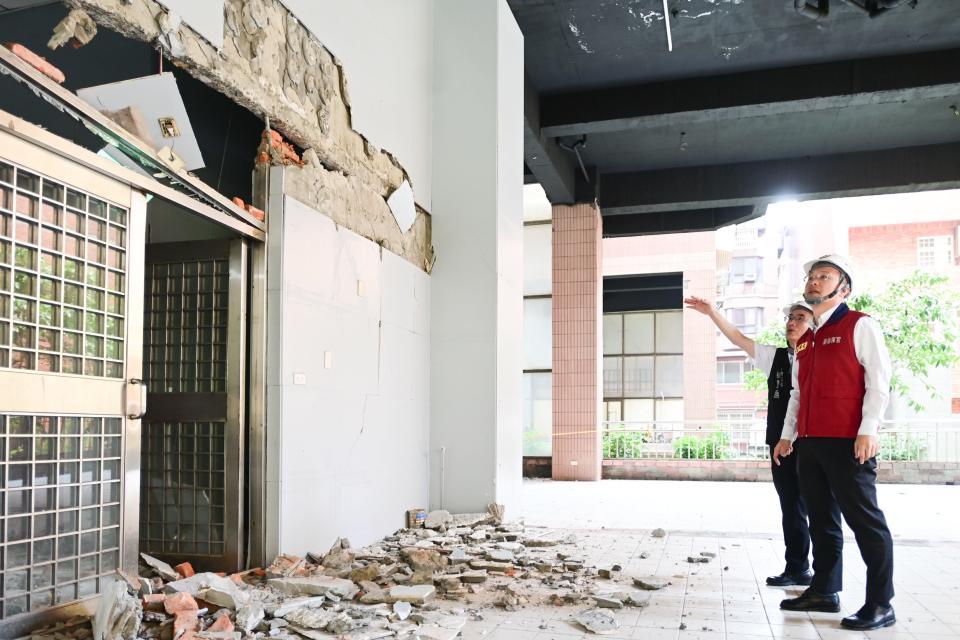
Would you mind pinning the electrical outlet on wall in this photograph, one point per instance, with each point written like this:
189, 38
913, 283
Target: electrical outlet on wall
328, 359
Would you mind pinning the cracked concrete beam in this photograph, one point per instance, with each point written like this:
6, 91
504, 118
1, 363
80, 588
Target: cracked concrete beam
273, 66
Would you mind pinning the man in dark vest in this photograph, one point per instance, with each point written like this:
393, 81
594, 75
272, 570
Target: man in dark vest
776, 364
841, 386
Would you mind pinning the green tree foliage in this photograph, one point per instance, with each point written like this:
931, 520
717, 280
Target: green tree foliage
919, 317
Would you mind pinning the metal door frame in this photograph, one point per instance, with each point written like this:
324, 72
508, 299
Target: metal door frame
235, 251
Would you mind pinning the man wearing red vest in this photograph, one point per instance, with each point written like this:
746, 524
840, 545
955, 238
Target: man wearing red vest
841, 386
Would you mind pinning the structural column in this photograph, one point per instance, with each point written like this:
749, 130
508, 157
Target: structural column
477, 283
577, 343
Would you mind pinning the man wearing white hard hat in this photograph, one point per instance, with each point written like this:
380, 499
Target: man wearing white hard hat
841, 386
776, 364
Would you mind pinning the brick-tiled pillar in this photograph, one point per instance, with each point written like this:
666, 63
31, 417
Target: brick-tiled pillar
577, 345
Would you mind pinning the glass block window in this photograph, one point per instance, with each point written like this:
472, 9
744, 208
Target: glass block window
185, 326
62, 277
182, 488
60, 491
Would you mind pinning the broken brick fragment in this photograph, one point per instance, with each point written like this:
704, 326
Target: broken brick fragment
177, 603
221, 624
35, 61
185, 569
185, 625
154, 601
239, 202
256, 213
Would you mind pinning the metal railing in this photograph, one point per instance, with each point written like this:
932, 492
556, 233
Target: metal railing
901, 440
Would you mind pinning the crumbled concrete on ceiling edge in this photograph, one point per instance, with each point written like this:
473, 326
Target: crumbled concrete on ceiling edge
273, 66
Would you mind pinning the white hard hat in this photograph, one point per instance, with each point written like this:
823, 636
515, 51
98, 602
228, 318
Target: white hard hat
801, 304
834, 260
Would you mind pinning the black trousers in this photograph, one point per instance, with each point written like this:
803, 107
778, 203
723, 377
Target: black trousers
829, 477
796, 534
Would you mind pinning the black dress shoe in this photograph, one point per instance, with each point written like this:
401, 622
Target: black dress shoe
810, 600
789, 579
870, 616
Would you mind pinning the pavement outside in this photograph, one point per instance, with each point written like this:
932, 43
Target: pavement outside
727, 598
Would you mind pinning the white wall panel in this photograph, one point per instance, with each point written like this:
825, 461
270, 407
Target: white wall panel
353, 437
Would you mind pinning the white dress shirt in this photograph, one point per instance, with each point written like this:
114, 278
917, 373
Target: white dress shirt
763, 355
872, 354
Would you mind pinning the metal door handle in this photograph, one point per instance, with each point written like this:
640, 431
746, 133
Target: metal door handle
135, 412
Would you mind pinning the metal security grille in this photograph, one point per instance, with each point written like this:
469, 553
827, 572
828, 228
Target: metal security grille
61, 508
62, 277
185, 326
182, 498
183, 455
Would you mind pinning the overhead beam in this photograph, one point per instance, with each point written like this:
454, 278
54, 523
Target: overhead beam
907, 169
644, 224
849, 83
550, 165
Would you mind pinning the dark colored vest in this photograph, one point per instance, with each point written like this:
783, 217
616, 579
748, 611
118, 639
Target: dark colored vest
778, 395
831, 379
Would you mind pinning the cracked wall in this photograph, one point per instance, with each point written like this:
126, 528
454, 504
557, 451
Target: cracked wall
274, 67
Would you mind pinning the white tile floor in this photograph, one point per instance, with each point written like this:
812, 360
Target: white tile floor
727, 598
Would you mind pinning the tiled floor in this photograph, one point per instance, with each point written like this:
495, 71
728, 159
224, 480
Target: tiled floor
727, 598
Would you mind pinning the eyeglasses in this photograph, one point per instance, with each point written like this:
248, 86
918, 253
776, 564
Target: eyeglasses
821, 277
795, 318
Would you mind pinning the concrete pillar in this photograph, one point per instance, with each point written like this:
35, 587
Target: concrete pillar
477, 283
577, 343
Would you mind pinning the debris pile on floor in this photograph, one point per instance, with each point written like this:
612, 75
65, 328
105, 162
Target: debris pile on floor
422, 583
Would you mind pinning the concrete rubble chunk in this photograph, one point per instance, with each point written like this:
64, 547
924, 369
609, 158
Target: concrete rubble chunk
310, 618
417, 594
499, 555
211, 588
315, 586
471, 520
218, 635
284, 566
424, 560
339, 556
119, 614
697, 559
608, 603
402, 609
368, 634
658, 533
708, 554
459, 556
163, 569
249, 616
293, 604
438, 518
597, 621
473, 577
650, 584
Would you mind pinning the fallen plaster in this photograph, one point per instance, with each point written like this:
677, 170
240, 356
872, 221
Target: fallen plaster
421, 583
273, 66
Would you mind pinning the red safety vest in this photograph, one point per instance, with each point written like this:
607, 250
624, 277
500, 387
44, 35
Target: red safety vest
831, 379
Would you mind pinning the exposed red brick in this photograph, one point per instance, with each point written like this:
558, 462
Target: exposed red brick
185, 569
239, 202
35, 61
185, 625
223, 623
180, 602
154, 601
256, 213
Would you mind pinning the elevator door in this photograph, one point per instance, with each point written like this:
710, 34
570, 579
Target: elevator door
192, 448
71, 260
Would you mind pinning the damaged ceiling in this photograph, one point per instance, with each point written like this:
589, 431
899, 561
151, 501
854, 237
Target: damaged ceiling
755, 101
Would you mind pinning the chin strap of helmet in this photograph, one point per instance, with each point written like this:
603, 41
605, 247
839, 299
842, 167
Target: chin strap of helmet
815, 300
